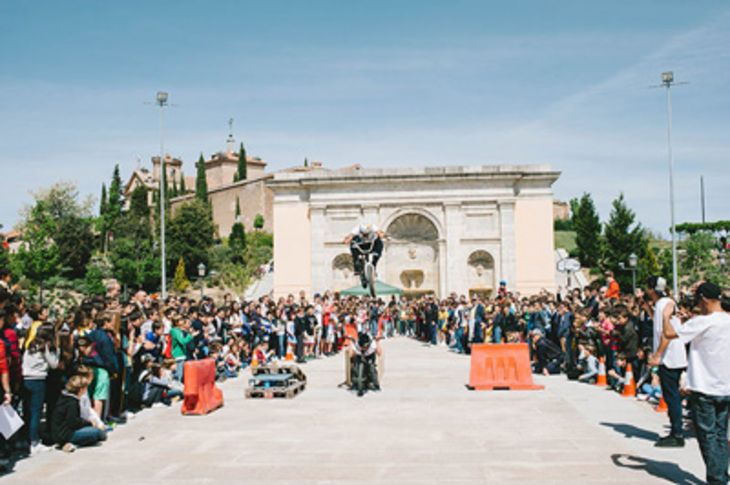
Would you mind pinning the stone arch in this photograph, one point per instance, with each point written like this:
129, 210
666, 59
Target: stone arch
342, 271
412, 254
480, 271
416, 211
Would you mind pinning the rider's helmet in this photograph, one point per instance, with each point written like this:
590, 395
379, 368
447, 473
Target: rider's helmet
366, 229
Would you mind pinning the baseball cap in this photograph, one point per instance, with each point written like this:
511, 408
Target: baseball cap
708, 290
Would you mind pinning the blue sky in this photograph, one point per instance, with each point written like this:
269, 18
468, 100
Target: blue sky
380, 83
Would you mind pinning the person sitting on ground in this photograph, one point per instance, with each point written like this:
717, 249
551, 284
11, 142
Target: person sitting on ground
649, 387
232, 360
548, 356
588, 364
69, 428
262, 354
86, 410
616, 375
158, 386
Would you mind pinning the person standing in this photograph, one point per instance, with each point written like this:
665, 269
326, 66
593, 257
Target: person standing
708, 376
671, 357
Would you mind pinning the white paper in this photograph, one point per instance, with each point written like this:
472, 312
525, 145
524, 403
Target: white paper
10, 422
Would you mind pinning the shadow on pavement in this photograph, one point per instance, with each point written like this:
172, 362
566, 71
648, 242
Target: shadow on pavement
631, 431
660, 469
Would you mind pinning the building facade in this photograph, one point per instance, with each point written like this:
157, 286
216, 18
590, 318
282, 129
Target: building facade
452, 229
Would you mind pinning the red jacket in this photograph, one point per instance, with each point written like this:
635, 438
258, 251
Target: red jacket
3, 359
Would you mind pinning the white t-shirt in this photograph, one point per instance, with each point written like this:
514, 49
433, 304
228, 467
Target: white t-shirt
708, 371
675, 356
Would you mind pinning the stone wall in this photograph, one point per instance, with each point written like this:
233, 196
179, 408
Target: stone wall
254, 198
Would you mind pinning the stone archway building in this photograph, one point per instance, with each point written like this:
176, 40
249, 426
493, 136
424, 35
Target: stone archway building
454, 229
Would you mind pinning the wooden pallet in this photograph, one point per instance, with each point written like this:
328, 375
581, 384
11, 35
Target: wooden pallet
287, 392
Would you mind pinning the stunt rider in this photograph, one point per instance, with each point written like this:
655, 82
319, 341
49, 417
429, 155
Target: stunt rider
364, 234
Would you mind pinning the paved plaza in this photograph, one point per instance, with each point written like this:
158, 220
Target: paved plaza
424, 427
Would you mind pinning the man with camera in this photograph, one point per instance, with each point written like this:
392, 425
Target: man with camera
671, 357
708, 375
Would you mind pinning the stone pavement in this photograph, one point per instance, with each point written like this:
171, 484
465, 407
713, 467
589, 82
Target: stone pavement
424, 427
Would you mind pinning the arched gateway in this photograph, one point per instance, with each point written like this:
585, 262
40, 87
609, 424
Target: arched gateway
454, 229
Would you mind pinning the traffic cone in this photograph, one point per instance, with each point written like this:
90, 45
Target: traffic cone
289, 355
254, 362
629, 384
662, 406
601, 379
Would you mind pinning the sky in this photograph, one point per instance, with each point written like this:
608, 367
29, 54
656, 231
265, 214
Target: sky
380, 83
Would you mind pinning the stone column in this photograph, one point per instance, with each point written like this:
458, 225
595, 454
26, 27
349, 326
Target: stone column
321, 270
507, 237
452, 271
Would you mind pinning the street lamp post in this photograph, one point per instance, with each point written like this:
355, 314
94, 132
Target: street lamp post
633, 262
201, 274
161, 99
667, 81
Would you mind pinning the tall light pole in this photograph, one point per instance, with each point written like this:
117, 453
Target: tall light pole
633, 262
667, 81
161, 99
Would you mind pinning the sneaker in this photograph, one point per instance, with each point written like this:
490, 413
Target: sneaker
670, 442
68, 448
39, 448
642, 397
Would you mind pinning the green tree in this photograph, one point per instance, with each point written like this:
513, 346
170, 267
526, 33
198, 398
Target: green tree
38, 258
180, 283
623, 237
103, 202
587, 227
114, 202
201, 184
306, 162
138, 205
190, 235
75, 241
699, 260
183, 189
94, 280
241, 171
258, 222
174, 192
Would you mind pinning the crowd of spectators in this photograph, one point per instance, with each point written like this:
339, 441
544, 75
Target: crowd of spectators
74, 377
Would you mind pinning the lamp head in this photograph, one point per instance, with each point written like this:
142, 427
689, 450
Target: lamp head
161, 98
667, 77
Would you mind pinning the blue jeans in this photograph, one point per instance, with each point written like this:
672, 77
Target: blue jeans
710, 414
33, 406
87, 436
282, 346
179, 367
669, 379
497, 334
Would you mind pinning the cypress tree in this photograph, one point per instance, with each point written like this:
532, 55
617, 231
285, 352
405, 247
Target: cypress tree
238, 209
241, 172
114, 199
306, 162
201, 184
587, 230
183, 189
174, 192
102, 202
623, 237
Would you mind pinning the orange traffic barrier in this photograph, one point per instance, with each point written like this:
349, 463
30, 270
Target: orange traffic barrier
501, 366
601, 379
629, 384
200, 395
662, 406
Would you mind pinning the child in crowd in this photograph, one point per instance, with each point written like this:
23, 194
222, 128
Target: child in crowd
69, 428
649, 387
587, 364
232, 360
617, 373
158, 386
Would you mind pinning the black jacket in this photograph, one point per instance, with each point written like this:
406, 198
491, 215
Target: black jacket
66, 418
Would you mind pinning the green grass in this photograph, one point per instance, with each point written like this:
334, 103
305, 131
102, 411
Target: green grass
565, 240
